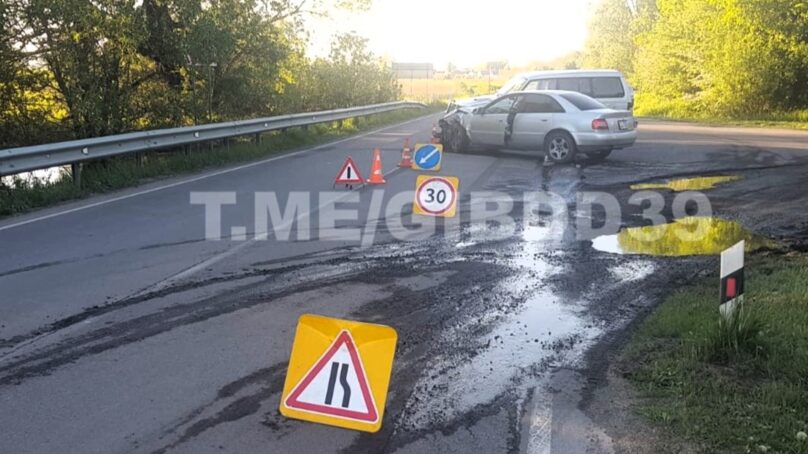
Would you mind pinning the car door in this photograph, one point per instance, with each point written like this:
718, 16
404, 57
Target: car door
488, 125
535, 117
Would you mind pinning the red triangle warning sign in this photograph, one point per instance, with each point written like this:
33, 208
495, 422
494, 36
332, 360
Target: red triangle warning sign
349, 174
336, 385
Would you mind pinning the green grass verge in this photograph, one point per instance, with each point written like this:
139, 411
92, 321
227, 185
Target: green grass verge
711, 121
729, 390
19, 196
678, 110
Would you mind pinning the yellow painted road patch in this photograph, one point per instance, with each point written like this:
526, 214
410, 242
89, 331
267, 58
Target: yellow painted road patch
339, 372
687, 184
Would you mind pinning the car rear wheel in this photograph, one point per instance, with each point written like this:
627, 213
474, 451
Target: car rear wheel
560, 147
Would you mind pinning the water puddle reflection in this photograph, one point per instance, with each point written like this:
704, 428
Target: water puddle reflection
683, 237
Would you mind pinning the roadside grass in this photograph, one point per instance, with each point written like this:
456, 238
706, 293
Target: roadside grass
723, 389
19, 195
672, 110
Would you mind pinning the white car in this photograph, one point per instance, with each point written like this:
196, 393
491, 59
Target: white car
607, 86
560, 123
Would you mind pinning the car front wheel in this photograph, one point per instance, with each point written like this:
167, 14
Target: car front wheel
455, 139
560, 147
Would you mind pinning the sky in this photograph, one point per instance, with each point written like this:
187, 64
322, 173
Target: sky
465, 33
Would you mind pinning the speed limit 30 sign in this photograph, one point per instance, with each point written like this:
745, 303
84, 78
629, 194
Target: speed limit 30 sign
436, 196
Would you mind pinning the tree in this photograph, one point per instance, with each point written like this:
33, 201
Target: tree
85, 68
609, 44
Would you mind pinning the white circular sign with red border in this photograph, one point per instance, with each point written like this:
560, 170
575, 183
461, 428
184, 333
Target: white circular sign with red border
436, 196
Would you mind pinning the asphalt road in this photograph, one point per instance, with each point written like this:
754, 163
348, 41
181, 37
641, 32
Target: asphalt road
122, 329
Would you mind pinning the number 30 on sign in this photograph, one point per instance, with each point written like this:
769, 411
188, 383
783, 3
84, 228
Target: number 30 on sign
436, 196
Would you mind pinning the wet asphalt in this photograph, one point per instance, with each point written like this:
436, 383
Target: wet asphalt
122, 329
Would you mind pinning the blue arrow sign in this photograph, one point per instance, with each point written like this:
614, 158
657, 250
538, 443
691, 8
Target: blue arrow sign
428, 157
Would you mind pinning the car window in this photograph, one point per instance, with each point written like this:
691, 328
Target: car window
540, 84
567, 84
532, 85
582, 102
501, 106
547, 84
512, 85
585, 86
607, 87
579, 84
539, 104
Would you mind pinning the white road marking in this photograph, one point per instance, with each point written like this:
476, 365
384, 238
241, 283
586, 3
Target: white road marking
262, 236
427, 157
201, 177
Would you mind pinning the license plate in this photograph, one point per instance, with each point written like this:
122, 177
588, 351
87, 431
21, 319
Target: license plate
622, 124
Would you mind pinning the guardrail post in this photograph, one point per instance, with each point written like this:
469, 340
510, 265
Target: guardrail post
258, 138
75, 173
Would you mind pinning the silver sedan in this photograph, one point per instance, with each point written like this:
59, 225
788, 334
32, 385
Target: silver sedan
560, 123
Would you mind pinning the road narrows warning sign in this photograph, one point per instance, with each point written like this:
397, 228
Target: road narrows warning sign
349, 174
436, 196
317, 392
339, 372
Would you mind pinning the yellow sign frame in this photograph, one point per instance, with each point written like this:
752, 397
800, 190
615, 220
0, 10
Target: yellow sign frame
449, 212
418, 146
374, 347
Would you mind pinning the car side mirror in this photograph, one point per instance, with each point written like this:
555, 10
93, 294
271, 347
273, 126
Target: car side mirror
478, 111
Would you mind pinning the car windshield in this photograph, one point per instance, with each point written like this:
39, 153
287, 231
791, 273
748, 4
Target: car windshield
583, 102
512, 85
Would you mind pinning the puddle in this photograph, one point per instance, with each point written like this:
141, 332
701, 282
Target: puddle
543, 333
687, 184
683, 237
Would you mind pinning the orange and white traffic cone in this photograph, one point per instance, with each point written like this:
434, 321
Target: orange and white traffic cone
434, 140
406, 155
376, 176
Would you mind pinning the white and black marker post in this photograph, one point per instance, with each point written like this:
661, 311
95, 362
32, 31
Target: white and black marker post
732, 280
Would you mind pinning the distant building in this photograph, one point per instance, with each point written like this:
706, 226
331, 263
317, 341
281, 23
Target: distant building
414, 70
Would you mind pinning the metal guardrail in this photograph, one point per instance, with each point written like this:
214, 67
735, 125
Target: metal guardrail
24, 159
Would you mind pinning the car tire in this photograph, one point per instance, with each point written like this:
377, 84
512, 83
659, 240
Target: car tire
598, 156
456, 140
560, 147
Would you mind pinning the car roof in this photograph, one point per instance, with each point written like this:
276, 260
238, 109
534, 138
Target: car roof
571, 72
547, 92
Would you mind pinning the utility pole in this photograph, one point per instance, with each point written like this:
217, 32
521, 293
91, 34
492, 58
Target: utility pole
211, 75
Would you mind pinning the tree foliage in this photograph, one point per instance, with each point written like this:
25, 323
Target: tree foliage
731, 58
84, 68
